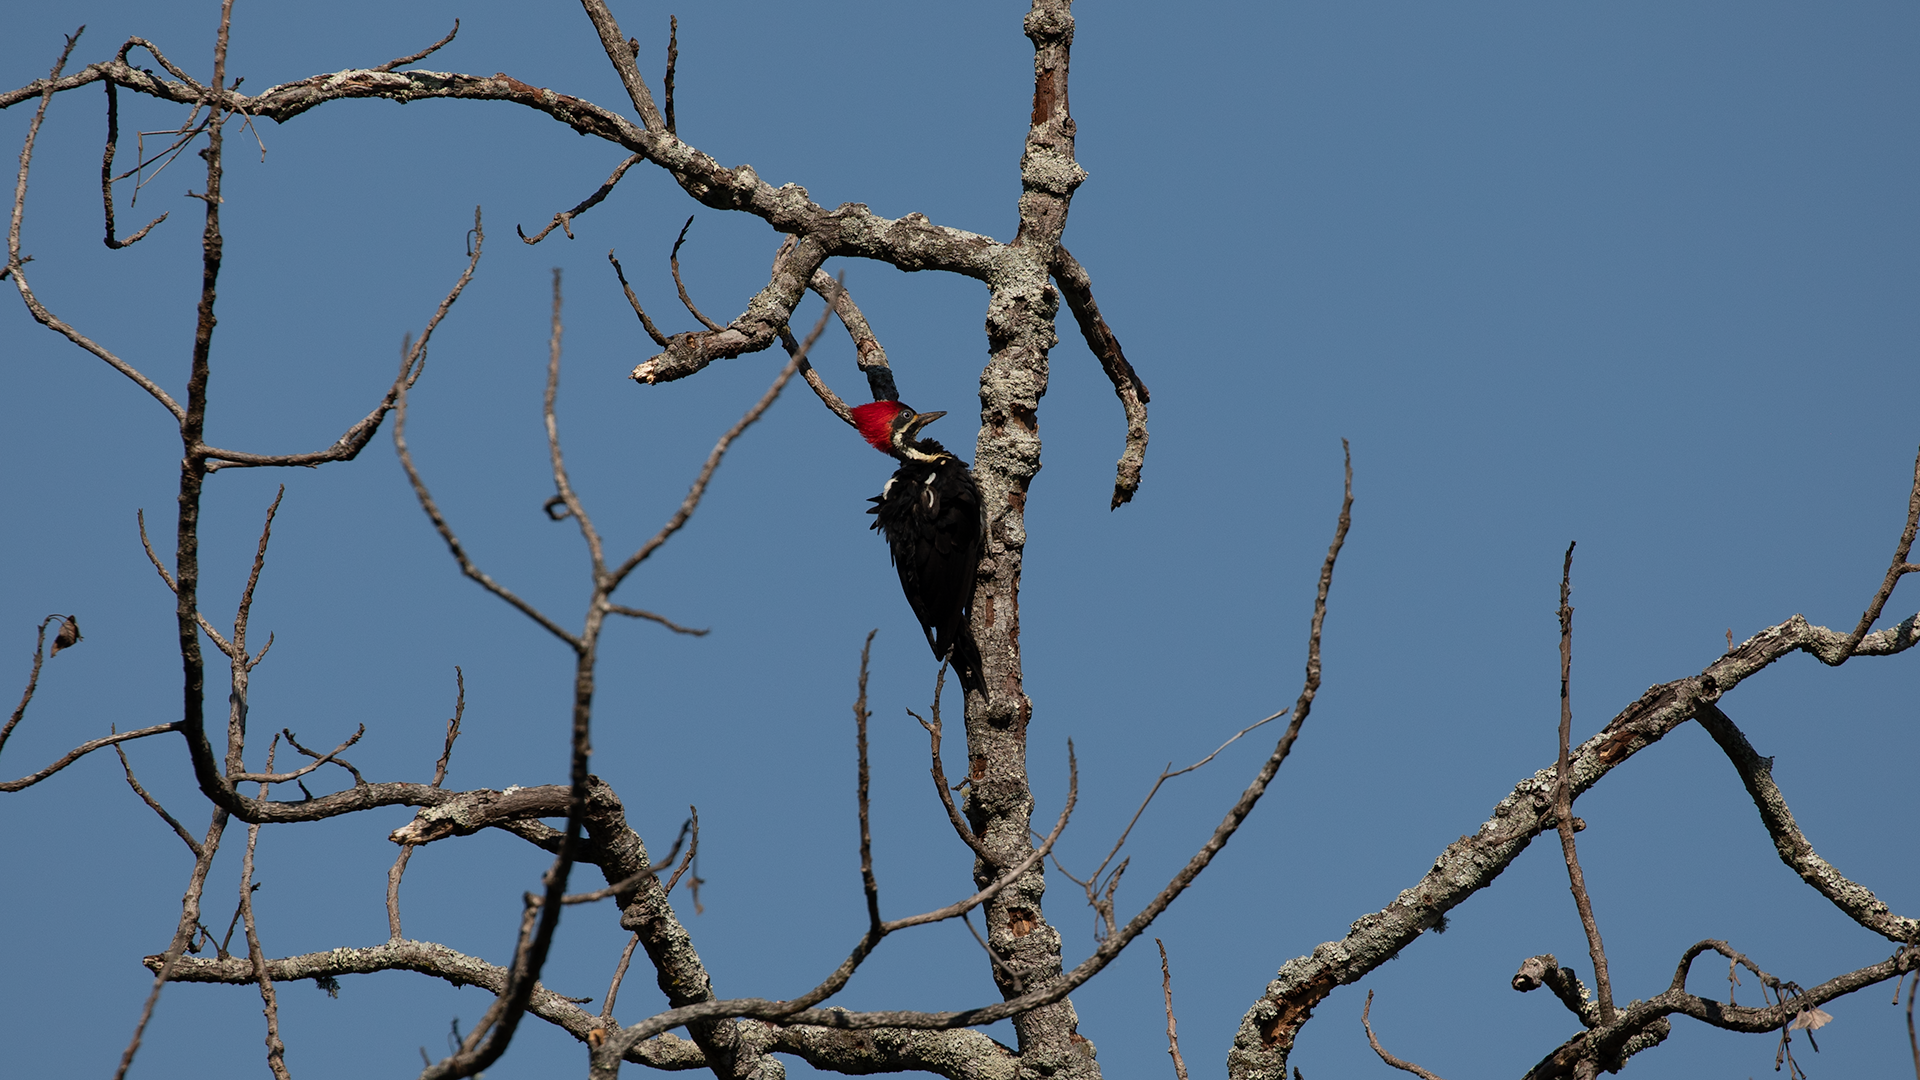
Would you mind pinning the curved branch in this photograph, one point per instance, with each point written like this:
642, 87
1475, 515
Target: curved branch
1644, 1023
15, 268
869, 355
1403, 1066
425, 497
412, 362
1077, 289
1756, 773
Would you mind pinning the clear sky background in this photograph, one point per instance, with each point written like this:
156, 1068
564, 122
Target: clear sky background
1640, 275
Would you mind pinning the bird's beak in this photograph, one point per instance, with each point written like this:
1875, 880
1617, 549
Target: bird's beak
921, 420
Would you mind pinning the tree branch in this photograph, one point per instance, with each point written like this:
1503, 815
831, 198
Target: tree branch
1403, 1066
1563, 801
1899, 569
1077, 289
1473, 862
1756, 773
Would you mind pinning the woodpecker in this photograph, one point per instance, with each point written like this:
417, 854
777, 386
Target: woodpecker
930, 513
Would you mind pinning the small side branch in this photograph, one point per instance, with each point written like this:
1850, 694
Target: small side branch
1563, 799
1403, 1066
1899, 569
1756, 773
165, 964
939, 773
673, 61
673, 261
564, 219
439, 777
439, 520
699, 489
16, 263
413, 361
83, 750
154, 805
1077, 289
1173, 1031
276, 1049
621, 54
106, 172
868, 353
652, 330
640, 613
412, 58
860, 717
33, 677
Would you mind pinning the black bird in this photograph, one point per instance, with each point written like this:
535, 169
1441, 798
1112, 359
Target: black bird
930, 513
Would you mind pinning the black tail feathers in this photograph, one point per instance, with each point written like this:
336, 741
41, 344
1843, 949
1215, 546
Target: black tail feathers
964, 655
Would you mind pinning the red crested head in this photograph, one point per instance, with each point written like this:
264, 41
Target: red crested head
875, 421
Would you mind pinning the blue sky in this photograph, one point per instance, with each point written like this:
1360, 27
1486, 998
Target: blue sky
1640, 275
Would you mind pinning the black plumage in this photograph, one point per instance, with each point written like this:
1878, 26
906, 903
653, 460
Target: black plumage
930, 515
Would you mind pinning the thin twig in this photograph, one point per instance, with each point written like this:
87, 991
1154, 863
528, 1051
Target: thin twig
699, 488
619, 974
1173, 1031
627, 884
1091, 884
564, 219
639, 613
673, 260
1034, 858
673, 59
319, 759
106, 172
693, 853
860, 716
83, 750
1899, 569
1403, 1066
439, 777
432, 509
33, 679
561, 483
173, 823
140, 518
182, 936
16, 264
276, 1050
871, 357
1563, 799
819, 385
1013, 977
1913, 1044
413, 361
423, 53
939, 774
652, 330
245, 610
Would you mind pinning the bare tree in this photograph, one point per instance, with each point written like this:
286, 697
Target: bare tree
1027, 278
